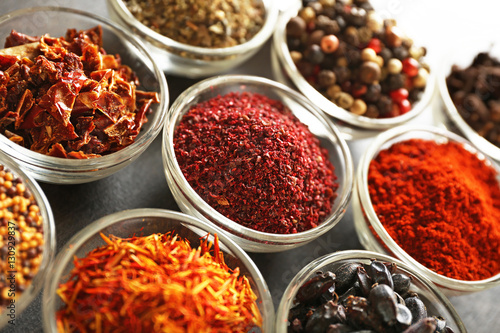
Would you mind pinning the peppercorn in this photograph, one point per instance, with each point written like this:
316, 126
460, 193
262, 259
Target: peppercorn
361, 49
326, 78
394, 66
308, 14
344, 100
313, 54
358, 107
369, 72
368, 54
21, 235
315, 37
410, 67
420, 80
296, 27
329, 43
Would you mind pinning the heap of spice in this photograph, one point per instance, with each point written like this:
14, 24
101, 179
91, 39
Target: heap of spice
156, 283
211, 24
476, 94
356, 59
359, 297
441, 204
21, 238
253, 161
66, 97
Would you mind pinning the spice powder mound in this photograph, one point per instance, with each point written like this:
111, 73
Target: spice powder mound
441, 204
156, 283
68, 98
253, 161
211, 24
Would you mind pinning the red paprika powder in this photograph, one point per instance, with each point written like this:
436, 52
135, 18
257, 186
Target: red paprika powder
441, 204
253, 161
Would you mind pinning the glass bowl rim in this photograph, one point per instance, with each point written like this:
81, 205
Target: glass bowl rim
379, 143
176, 173
336, 257
122, 156
49, 235
271, 11
67, 253
451, 111
280, 47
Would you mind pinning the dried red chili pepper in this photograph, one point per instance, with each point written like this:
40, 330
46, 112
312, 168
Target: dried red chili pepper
70, 99
157, 283
252, 160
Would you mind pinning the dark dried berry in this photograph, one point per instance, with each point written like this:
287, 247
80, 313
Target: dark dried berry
403, 317
425, 325
346, 275
314, 54
324, 316
369, 72
416, 307
326, 78
296, 27
402, 283
315, 287
384, 302
373, 92
380, 274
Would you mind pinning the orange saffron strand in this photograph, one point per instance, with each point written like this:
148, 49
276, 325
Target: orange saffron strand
157, 283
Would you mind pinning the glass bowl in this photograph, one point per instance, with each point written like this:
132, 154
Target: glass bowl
352, 125
463, 59
40, 20
366, 220
190, 61
47, 247
143, 222
435, 301
191, 203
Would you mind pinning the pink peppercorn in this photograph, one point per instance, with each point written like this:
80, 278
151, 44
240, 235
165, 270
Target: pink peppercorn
329, 43
404, 106
410, 67
399, 94
375, 44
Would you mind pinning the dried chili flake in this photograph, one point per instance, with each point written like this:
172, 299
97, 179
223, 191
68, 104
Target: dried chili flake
157, 283
252, 160
70, 99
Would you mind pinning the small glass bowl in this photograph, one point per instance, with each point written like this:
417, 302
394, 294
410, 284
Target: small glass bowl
435, 301
352, 125
190, 61
191, 203
143, 222
49, 241
366, 219
463, 58
41, 20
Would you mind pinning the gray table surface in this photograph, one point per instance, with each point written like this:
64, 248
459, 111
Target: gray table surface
142, 184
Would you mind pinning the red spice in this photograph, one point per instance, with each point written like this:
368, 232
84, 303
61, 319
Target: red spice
253, 161
157, 283
441, 204
68, 98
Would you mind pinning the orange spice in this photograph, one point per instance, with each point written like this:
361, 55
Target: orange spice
157, 283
